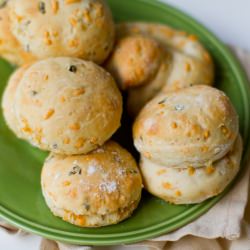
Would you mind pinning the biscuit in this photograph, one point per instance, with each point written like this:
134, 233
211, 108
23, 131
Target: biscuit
82, 28
190, 126
179, 60
9, 97
10, 49
191, 185
92, 190
67, 105
134, 61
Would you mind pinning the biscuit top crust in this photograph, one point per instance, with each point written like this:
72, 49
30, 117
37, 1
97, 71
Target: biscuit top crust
104, 181
192, 126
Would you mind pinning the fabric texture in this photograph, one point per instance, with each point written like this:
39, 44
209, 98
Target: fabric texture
226, 226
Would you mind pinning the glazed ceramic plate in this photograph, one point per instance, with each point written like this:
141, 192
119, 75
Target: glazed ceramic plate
21, 201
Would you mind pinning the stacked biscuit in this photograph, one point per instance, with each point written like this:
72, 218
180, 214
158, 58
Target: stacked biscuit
61, 101
69, 106
189, 143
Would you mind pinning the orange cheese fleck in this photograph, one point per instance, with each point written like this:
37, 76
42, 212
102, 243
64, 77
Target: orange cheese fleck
86, 16
73, 43
161, 171
49, 114
210, 169
66, 140
73, 22
79, 143
74, 126
46, 77
196, 129
66, 183
55, 6
81, 220
38, 137
46, 34
191, 170
72, 1
174, 125
206, 134
79, 91
167, 185
19, 18
178, 193
27, 129
62, 99
47, 39
187, 67
192, 38
204, 149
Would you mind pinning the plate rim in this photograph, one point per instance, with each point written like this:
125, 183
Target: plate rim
160, 228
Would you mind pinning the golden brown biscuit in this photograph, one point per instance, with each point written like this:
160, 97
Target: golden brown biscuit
10, 49
82, 28
191, 126
191, 185
67, 105
9, 97
93, 190
179, 60
134, 61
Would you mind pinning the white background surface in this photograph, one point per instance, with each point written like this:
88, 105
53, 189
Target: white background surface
228, 19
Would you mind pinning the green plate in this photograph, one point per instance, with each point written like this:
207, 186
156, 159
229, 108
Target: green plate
21, 201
